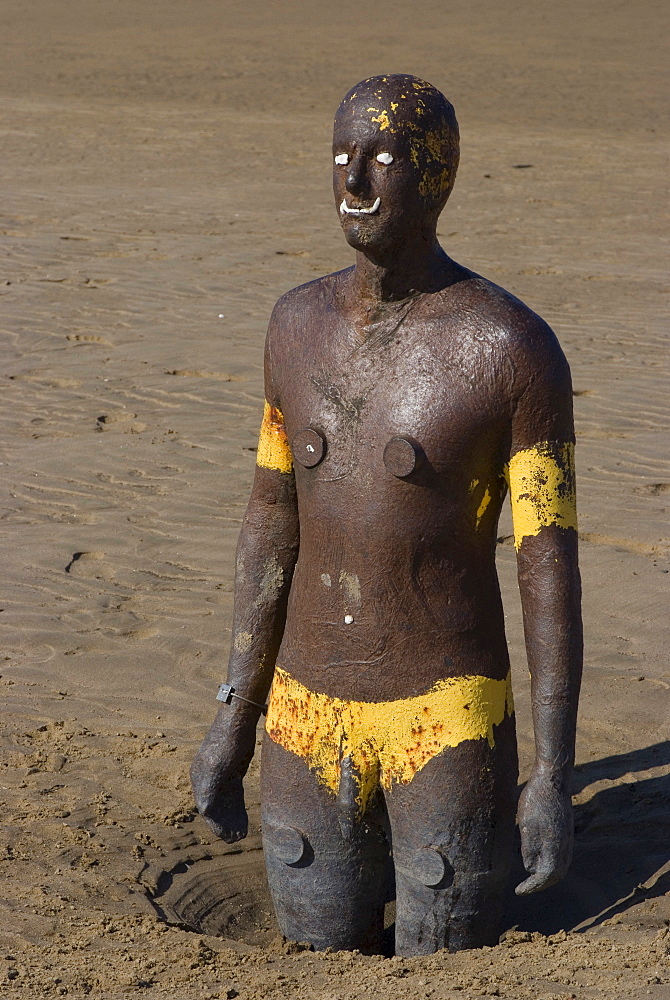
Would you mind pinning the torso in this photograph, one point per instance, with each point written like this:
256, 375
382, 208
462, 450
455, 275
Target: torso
395, 585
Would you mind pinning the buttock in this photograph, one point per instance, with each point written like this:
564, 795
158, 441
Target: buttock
365, 745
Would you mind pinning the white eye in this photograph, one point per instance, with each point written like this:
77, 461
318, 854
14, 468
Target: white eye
385, 158
342, 159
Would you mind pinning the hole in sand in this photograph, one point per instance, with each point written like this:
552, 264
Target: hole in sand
225, 896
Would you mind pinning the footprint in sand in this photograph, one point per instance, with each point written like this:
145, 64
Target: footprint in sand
653, 489
195, 373
85, 338
144, 632
106, 421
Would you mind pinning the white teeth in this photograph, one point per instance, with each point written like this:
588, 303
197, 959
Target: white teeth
344, 208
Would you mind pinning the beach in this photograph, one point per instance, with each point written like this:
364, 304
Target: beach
166, 177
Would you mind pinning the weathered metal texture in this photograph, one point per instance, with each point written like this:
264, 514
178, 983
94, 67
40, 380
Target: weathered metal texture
308, 447
404, 396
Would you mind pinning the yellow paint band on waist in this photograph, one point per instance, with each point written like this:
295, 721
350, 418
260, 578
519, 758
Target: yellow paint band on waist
385, 741
542, 489
274, 451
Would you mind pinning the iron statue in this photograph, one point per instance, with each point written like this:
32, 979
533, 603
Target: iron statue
405, 396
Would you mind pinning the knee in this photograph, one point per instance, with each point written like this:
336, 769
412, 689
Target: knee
288, 846
430, 868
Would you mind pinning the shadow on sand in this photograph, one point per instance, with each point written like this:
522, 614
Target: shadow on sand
622, 839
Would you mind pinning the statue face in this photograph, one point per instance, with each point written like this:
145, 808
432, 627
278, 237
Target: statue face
376, 184
395, 152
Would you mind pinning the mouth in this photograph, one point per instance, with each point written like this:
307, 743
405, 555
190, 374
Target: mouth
346, 210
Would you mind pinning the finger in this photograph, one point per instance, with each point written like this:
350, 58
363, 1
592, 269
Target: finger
536, 882
230, 834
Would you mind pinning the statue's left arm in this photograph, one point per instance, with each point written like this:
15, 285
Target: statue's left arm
542, 492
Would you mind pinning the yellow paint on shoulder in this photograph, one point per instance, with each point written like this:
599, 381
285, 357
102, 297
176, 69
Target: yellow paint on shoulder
274, 451
394, 105
388, 741
542, 489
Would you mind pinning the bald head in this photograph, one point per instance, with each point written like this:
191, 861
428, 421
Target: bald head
411, 112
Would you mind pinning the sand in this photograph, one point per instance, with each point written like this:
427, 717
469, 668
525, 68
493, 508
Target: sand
166, 176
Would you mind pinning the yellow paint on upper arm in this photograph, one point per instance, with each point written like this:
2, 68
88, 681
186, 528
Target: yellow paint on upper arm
542, 489
274, 451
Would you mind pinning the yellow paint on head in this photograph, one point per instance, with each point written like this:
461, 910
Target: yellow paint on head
542, 489
383, 119
274, 451
437, 143
434, 185
387, 741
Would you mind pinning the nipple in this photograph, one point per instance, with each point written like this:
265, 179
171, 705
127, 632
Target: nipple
308, 447
403, 456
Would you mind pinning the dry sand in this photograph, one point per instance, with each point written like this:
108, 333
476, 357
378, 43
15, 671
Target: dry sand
166, 172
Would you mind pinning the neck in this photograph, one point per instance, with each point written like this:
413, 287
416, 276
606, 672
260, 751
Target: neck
403, 273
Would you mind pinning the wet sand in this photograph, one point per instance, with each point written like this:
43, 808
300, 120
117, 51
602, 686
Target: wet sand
166, 176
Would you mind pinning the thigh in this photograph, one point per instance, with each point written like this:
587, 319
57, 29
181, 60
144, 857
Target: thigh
452, 832
327, 878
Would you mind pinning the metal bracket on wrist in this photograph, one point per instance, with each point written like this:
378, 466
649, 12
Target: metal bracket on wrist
226, 693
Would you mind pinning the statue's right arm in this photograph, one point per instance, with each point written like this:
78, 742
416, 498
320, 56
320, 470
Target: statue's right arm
267, 551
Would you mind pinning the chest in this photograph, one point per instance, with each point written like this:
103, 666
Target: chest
345, 398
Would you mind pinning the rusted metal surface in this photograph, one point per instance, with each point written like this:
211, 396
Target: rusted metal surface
403, 457
404, 395
308, 447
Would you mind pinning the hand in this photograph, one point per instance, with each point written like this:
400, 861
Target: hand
547, 832
216, 778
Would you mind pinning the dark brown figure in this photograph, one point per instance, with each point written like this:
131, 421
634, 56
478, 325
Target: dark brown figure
404, 395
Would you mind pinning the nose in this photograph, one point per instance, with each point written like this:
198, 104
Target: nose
356, 174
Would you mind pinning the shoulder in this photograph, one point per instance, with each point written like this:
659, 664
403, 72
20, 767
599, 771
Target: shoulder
307, 298
295, 317
511, 329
